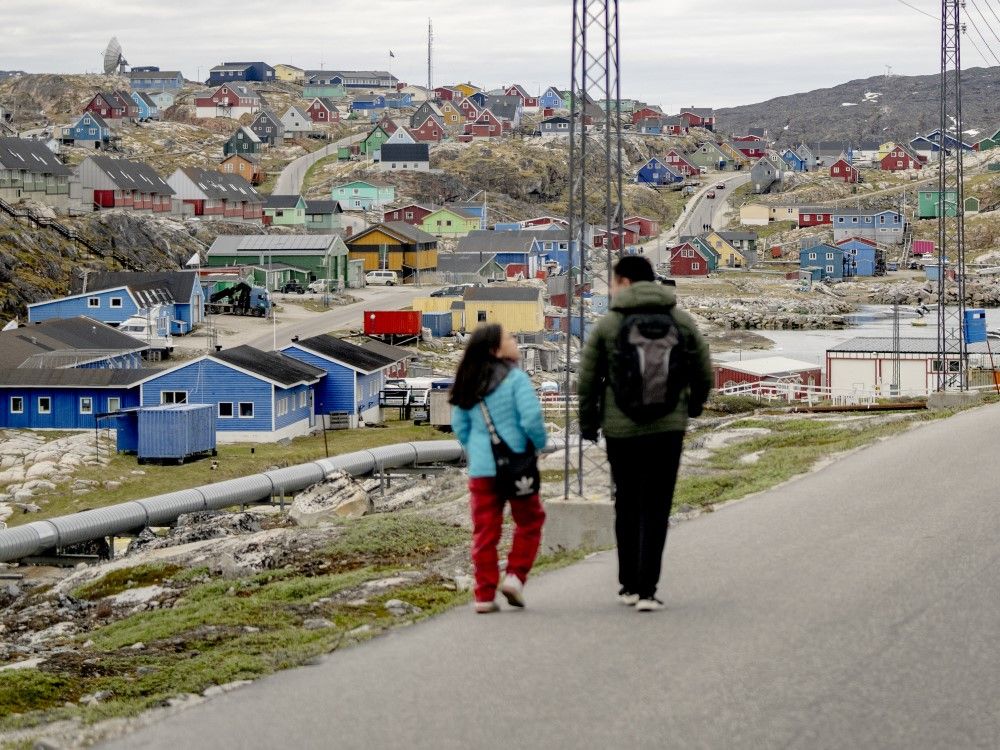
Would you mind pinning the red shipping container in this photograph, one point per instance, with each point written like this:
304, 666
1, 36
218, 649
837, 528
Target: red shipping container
398, 322
923, 247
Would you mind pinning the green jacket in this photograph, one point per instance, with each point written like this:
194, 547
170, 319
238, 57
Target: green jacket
597, 401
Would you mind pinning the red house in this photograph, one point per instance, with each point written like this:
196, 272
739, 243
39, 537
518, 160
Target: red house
544, 221
487, 125
628, 236
688, 259
110, 106
644, 114
844, 171
323, 110
430, 131
698, 117
411, 213
446, 94
527, 101
769, 370
468, 108
814, 216
680, 164
898, 159
647, 227
387, 124
754, 148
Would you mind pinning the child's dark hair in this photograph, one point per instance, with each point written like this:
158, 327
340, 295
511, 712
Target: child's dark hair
474, 372
634, 268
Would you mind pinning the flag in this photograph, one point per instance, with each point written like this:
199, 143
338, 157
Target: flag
195, 260
11, 325
390, 54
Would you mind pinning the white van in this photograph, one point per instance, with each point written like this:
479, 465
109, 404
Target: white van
386, 278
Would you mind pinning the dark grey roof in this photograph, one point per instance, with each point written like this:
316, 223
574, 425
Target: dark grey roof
394, 353
280, 368
502, 293
346, 352
221, 186
323, 207
177, 284
488, 240
91, 377
463, 262
400, 229
63, 335
282, 201
405, 152
31, 156
738, 235
504, 107
907, 345
132, 175
326, 102
153, 73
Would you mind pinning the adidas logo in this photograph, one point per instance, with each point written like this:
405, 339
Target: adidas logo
524, 486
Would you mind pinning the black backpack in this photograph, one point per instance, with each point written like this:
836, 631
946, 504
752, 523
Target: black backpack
648, 369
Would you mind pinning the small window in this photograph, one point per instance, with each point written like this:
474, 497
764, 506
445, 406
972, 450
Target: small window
225, 410
16, 405
246, 410
116, 302
93, 301
812, 256
829, 269
302, 399
695, 266
44, 405
86, 405
114, 403
173, 397
481, 316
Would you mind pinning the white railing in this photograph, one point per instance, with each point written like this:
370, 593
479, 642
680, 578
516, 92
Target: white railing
810, 394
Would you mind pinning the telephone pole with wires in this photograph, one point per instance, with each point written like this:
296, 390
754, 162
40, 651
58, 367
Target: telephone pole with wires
953, 355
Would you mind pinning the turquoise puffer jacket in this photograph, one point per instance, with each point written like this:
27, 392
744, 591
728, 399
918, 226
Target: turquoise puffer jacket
516, 414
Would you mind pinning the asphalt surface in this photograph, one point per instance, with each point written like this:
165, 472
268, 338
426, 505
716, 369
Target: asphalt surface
857, 607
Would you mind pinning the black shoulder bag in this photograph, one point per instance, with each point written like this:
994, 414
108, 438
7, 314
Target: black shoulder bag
517, 473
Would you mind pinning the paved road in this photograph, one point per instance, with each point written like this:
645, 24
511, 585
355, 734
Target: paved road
858, 607
289, 182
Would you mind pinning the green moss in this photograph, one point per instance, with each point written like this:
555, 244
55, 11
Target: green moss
126, 578
29, 689
393, 538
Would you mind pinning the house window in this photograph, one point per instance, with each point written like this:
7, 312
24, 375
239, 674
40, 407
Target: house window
899, 163
93, 301
246, 409
115, 302
302, 399
16, 405
173, 397
408, 214
812, 256
806, 217
229, 168
92, 131
282, 407
225, 410
114, 403
44, 405
481, 316
86, 405
854, 220
829, 256
695, 266
829, 269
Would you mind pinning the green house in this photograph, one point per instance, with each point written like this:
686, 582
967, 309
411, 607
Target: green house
927, 204
331, 91
285, 211
374, 140
360, 195
450, 222
989, 143
303, 257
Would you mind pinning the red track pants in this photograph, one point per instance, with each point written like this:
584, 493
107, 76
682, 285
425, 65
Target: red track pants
487, 524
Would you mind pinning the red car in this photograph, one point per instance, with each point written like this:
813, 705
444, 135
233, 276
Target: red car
710, 194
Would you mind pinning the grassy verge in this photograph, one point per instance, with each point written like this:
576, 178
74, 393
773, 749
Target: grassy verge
236, 460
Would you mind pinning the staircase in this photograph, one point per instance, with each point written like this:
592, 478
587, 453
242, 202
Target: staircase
904, 257
46, 222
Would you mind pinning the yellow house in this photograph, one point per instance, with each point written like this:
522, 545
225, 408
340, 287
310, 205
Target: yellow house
755, 215
784, 213
519, 309
443, 304
451, 114
733, 153
394, 246
467, 89
286, 72
729, 256
884, 149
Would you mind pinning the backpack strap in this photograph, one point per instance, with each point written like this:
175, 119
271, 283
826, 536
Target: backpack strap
494, 437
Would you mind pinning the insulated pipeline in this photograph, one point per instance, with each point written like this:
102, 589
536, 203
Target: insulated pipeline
37, 537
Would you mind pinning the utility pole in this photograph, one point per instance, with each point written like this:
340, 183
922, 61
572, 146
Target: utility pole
953, 355
430, 56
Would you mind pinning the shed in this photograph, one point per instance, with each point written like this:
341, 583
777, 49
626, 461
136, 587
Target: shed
768, 369
171, 432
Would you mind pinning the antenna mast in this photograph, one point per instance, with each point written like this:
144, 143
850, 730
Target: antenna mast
430, 56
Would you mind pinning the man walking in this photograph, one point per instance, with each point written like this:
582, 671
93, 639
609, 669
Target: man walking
645, 368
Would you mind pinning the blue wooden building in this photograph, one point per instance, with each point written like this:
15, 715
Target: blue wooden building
398, 101
148, 108
480, 98
794, 161
829, 261
354, 375
368, 103
65, 398
258, 396
72, 342
656, 172
156, 80
240, 71
551, 99
90, 130
885, 227
861, 257
950, 141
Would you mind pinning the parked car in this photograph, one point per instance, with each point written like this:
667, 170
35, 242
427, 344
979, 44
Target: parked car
293, 287
455, 290
322, 286
383, 278
710, 194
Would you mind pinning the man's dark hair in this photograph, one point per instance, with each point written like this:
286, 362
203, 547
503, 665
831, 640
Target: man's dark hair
634, 268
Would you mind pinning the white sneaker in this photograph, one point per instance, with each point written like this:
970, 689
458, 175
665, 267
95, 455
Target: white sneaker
513, 590
649, 605
629, 600
485, 608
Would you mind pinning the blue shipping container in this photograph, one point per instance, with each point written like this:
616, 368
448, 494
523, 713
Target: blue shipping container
438, 322
176, 431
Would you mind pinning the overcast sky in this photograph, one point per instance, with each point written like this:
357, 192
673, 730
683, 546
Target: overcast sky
673, 52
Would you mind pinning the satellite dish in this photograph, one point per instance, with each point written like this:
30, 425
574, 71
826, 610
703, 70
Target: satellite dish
114, 60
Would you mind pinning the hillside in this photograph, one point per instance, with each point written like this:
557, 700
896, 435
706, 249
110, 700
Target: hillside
879, 107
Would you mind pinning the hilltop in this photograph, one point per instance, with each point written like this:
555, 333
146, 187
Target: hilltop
880, 107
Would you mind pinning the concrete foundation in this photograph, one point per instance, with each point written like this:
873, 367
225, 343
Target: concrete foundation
578, 524
952, 399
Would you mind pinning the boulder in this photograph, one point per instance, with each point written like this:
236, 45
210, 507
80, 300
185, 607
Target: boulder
41, 469
337, 497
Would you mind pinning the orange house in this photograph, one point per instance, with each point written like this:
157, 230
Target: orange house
247, 168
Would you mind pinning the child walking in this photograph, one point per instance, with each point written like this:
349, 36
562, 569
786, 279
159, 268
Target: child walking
488, 374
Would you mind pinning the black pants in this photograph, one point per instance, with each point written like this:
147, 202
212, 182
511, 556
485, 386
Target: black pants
644, 470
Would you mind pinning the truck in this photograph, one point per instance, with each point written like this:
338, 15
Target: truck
240, 299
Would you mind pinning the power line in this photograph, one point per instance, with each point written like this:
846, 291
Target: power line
919, 10
992, 11
992, 30
976, 46
983, 38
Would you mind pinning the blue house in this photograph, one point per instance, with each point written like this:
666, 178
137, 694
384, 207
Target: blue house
656, 172
65, 398
950, 141
70, 342
398, 101
827, 258
259, 396
884, 227
155, 80
795, 162
368, 103
476, 209
148, 108
860, 257
90, 130
551, 99
240, 71
354, 375
479, 99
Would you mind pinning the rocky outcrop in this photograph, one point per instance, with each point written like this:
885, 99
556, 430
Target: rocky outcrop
336, 498
978, 293
772, 314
